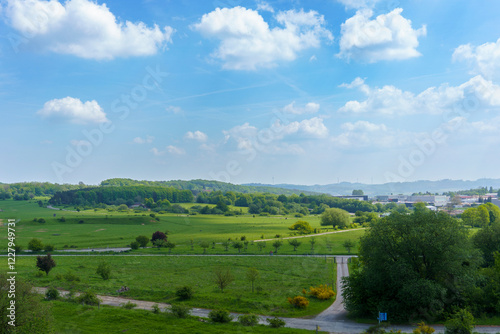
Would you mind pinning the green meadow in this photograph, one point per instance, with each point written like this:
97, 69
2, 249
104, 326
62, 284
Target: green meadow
101, 229
78, 319
156, 278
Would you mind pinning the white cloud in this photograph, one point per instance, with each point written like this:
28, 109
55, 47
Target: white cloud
247, 42
265, 7
313, 127
387, 37
391, 100
169, 149
485, 58
197, 135
309, 108
157, 152
73, 110
147, 140
175, 150
174, 109
365, 134
313, 58
84, 28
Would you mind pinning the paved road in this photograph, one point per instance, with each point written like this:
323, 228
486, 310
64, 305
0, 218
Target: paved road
332, 320
312, 235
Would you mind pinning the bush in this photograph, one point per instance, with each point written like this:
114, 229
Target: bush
142, 240
18, 249
221, 316
180, 311
104, 270
299, 302
52, 294
322, 292
70, 277
155, 309
134, 245
423, 329
35, 245
41, 221
184, 293
276, 322
48, 248
88, 298
128, 305
248, 319
462, 322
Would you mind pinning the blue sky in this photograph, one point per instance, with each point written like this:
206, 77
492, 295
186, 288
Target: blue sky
304, 92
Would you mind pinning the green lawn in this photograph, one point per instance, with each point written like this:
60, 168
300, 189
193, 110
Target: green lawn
78, 319
155, 278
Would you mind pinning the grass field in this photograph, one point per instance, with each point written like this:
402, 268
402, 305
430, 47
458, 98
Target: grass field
156, 278
78, 319
114, 229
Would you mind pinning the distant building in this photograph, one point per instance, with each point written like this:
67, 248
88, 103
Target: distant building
358, 197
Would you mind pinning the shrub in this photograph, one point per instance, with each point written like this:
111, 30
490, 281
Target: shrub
221, 316
184, 293
88, 298
423, 329
48, 248
248, 319
41, 221
142, 240
35, 245
134, 245
180, 311
52, 294
302, 227
128, 305
104, 270
155, 309
299, 302
18, 249
70, 277
322, 292
462, 322
38, 274
276, 322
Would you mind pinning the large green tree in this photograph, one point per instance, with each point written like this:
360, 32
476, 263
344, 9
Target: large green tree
413, 266
336, 217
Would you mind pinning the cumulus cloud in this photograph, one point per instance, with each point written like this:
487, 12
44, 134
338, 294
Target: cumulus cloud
175, 150
147, 140
387, 37
366, 134
391, 100
484, 59
247, 42
313, 127
265, 7
273, 140
169, 149
73, 110
309, 108
197, 135
84, 29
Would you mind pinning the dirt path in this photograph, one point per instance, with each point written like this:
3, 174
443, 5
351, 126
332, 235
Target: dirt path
337, 312
311, 235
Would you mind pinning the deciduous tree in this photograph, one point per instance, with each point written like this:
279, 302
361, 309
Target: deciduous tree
335, 217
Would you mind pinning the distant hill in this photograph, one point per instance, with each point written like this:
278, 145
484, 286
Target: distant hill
197, 186
407, 188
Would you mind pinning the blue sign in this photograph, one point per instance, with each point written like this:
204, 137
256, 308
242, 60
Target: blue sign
382, 316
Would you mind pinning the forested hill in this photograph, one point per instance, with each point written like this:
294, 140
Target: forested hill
197, 186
